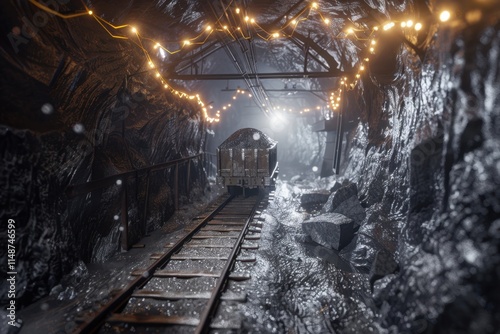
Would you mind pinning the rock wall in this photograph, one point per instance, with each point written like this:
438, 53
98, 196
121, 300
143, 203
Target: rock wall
426, 158
78, 106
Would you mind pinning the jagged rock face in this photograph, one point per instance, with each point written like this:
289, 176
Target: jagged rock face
429, 178
76, 108
345, 201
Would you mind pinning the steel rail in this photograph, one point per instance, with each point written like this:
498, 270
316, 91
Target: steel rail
93, 325
210, 308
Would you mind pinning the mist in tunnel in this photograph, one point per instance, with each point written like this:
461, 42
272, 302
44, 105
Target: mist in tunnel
387, 123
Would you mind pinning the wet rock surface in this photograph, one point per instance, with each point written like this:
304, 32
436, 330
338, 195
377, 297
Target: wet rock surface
429, 187
301, 287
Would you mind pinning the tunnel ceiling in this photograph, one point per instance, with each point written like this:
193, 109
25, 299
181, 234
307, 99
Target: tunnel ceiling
269, 49
297, 45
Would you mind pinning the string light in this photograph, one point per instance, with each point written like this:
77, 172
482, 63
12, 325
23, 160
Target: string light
202, 37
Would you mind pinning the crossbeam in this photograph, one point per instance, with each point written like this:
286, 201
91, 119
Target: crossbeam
277, 75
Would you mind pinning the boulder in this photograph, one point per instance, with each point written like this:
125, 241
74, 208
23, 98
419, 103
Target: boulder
345, 201
331, 230
314, 200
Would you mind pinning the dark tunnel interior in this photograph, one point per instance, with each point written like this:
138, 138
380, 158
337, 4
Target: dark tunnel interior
383, 117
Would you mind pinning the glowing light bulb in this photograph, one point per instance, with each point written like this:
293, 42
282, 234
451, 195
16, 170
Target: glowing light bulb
157, 74
249, 95
388, 26
444, 16
252, 20
372, 50
409, 23
157, 45
294, 21
314, 5
186, 42
362, 68
403, 24
134, 30
357, 76
375, 28
165, 86
237, 10
151, 64
327, 21
247, 18
229, 105
350, 31
276, 35
234, 97
373, 42
209, 28
418, 26
91, 12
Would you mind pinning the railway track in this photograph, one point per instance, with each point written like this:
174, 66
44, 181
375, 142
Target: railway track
195, 286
